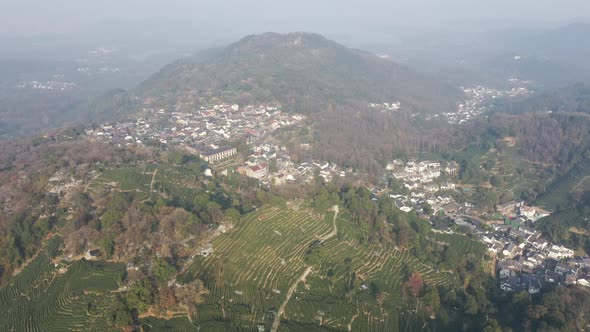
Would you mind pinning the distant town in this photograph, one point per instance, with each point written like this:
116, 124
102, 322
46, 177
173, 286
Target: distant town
47, 85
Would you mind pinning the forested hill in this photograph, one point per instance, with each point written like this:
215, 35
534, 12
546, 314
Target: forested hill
573, 98
306, 72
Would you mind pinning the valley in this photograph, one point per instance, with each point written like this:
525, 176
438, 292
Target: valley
286, 182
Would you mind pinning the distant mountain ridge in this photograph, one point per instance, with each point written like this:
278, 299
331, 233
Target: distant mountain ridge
303, 71
552, 58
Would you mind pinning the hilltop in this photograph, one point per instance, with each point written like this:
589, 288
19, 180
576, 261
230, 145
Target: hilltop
303, 71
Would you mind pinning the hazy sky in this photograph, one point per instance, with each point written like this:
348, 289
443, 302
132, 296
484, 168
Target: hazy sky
22, 17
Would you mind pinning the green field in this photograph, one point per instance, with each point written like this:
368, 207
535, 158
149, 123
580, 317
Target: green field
135, 180
557, 194
518, 174
67, 297
459, 246
181, 183
253, 266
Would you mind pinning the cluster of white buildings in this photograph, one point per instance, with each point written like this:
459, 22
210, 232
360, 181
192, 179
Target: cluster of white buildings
479, 101
284, 170
47, 86
526, 261
387, 107
202, 131
421, 175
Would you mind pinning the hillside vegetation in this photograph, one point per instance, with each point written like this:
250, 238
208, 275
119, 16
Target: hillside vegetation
304, 72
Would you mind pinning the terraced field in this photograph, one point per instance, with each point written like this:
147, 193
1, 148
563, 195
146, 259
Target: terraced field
460, 245
576, 180
180, 324
43, 298
130, 179
146, 182
253, 266
518, 174
179, 182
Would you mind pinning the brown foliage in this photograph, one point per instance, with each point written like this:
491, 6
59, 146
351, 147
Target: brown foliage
415, 284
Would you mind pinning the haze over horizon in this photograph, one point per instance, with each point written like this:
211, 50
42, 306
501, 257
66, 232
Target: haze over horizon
32, 17
295, 166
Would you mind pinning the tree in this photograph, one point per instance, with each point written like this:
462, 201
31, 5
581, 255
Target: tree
471, 306
427, 209
123, 318
162, 271
496, 180
415, 283
140, 296
232, 214
492, 326
431, 299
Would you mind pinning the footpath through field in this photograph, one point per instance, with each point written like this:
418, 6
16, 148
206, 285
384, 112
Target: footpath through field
277, 320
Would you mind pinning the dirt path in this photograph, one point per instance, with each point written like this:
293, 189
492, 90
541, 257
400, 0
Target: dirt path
152, 183
335, 230
277, 320
352, 319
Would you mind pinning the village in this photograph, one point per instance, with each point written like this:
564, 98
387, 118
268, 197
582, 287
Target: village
204, 129
214, 132
47, 86
479, 100
386, 107
525, 261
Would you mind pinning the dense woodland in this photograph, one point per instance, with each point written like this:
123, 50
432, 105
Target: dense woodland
555, 139
570, 99
25, 168
304, 72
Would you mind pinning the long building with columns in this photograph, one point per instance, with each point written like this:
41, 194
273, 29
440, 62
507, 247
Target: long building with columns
218, 154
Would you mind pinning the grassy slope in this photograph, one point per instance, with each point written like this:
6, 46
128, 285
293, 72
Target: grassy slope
557, 194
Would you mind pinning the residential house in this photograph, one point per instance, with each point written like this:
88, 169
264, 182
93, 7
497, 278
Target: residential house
258, 171
430, 187
511, 284
560, 252
528, 211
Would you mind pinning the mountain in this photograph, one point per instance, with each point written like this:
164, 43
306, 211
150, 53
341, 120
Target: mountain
551, 58
304, 71
566, 44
